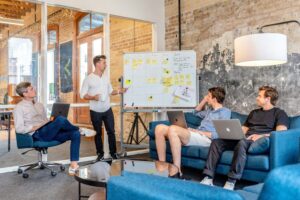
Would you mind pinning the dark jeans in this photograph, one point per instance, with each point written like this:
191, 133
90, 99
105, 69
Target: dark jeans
61, 130
239, 159
109, 123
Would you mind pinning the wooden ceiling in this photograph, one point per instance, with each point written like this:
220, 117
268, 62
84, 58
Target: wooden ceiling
14, 9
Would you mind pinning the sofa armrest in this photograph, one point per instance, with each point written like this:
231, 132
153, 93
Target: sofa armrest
284, 147
152, 126
133, 186
24, 140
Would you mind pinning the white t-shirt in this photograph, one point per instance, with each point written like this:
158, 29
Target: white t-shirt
94, 84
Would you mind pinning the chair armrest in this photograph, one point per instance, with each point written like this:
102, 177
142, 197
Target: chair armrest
153, 124
284, 147
24, 140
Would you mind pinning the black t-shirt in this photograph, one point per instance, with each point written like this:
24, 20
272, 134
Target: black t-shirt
261, 121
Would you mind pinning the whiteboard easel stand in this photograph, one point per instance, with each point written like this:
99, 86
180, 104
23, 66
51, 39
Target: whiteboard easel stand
122, 111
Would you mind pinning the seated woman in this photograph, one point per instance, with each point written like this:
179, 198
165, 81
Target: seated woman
30, 117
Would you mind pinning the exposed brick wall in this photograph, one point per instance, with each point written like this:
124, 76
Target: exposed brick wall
210, 27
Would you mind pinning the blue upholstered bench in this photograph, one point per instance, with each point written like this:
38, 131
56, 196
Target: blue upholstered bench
282, 183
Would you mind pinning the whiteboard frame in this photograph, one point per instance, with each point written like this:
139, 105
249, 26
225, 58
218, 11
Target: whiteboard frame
159, 109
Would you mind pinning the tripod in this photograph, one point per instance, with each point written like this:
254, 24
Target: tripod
135, 129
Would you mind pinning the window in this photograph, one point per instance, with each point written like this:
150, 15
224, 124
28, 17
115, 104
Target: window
52, 37
50, 77
89, 22
20, 60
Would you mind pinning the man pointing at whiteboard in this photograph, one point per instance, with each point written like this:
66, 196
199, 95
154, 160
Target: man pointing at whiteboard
97, 89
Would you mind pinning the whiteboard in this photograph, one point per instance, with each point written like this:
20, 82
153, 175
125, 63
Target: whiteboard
160, 79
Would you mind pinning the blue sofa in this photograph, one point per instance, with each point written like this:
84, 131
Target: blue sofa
282, 184
284, 150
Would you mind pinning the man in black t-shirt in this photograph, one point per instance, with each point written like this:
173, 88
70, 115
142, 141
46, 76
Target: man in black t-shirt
260, 123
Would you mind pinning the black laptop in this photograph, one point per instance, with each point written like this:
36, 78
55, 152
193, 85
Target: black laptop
58, 109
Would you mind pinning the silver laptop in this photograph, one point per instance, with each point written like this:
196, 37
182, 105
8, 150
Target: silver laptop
230, 129
177, 118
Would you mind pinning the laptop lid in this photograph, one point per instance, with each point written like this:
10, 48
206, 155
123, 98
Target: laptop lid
177, 118
60, 109
229, 129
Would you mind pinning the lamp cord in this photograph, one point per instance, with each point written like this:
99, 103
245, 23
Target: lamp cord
260, 29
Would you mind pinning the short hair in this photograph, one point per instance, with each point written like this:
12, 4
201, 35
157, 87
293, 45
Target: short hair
218, 93
270, 92
22, 88
98, 58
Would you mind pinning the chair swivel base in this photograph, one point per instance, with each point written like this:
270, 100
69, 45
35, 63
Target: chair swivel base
40, 164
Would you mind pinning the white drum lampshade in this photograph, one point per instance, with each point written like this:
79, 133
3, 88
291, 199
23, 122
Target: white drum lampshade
262, 49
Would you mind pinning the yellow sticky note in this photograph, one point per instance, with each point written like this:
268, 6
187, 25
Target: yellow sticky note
165, 62
188, 76
176, 100
150, 98
128, 82
148, 61
154, 62
189, 83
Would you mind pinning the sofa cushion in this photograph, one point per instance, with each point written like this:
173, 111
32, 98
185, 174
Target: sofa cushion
153, 124
294, 122
260, 146
257, 162
192, 120
241, 117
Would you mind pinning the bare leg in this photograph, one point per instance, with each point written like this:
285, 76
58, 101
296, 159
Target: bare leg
161, 133
178, 136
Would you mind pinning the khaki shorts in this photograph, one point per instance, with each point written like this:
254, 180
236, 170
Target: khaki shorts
197, 139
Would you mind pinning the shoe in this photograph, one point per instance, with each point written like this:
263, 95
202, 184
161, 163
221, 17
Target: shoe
115, 156
207, 181
72, 171
100, 158
229, 185
87, 132
179, 176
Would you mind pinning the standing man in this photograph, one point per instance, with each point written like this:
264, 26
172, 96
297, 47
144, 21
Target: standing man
260, 123
201, 136
97, 89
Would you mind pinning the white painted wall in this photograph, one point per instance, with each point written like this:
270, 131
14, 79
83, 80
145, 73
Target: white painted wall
147, 10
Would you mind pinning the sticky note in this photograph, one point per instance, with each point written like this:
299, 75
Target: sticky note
128, 82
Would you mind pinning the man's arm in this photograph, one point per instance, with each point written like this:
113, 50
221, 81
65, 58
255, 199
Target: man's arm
84, 92
201, 105
119, 91
245, 129
206, 133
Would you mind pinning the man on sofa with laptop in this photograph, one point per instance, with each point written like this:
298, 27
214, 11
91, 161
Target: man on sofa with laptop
260, 122
203, 135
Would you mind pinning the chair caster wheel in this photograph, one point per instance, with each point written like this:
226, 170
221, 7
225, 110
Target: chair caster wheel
42, 167
53, 173
25, 175
62, 168
20, 171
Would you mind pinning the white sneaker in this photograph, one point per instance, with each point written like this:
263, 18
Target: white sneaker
229, 185
87, 132
207, 181
72, 171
